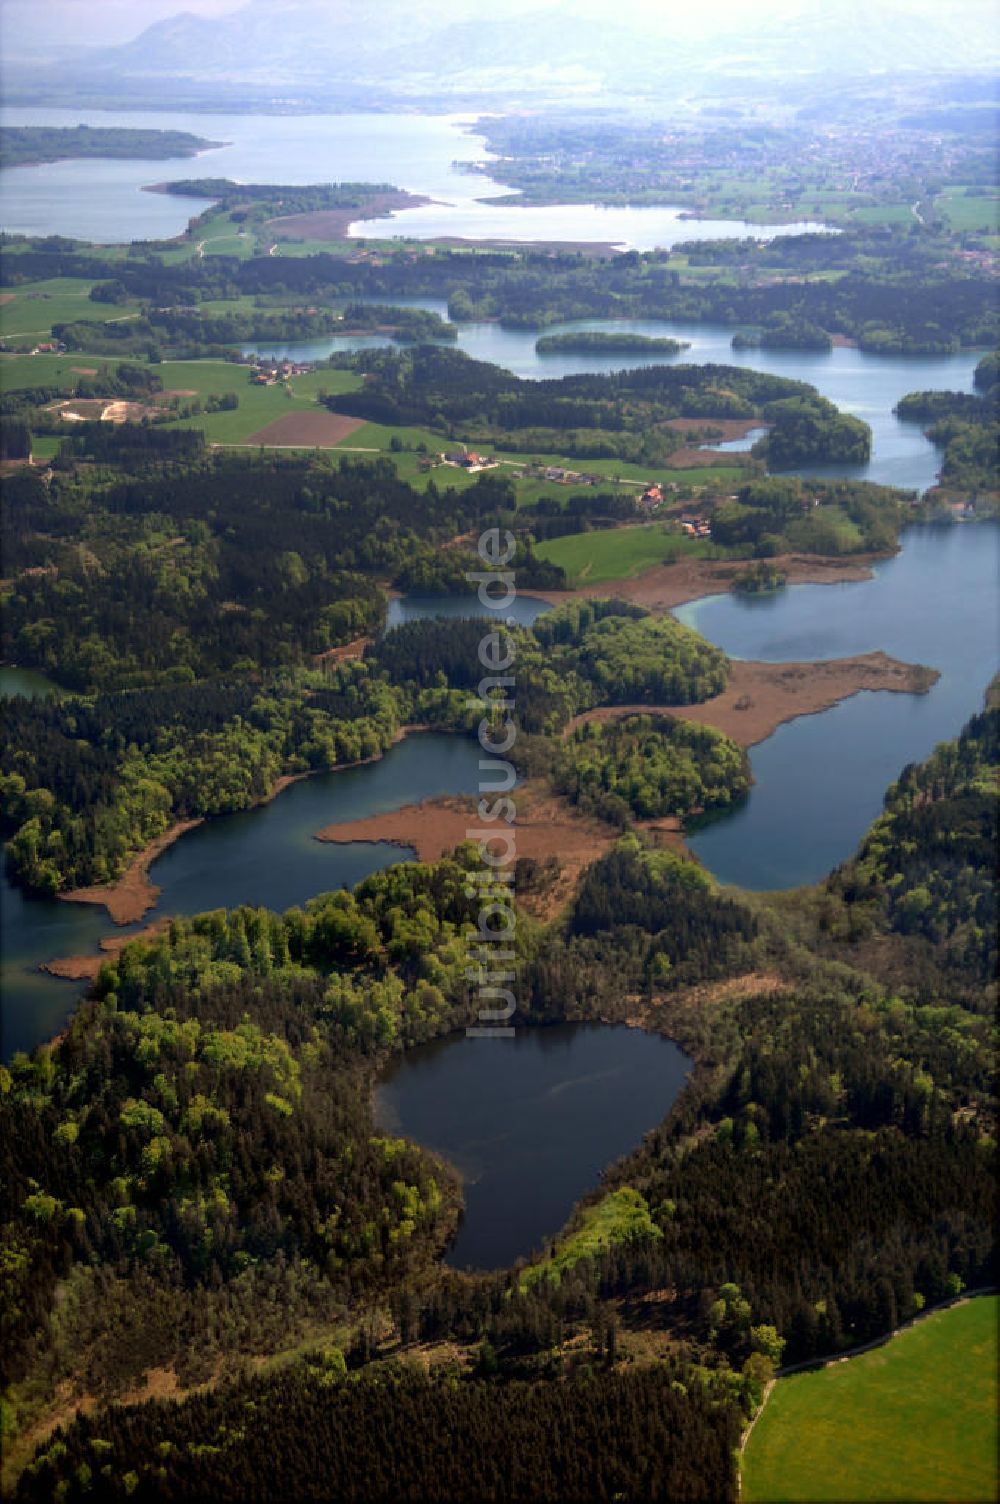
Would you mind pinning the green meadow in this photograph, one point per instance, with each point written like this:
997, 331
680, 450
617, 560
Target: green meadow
915, 1420
35, 306
619, 553
967, 210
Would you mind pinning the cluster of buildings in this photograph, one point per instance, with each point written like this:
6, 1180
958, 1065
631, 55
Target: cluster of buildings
654, 497
696, 527
569, 477
271, 375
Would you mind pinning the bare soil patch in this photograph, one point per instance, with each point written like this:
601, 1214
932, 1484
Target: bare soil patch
334, 224
7, 297
708, 430
84, 370
546, 825
667, 585
760, 697
129, 898
346, 651
308, 430
99, 409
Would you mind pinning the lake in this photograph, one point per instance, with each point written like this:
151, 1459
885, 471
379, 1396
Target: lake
523, 609
104, 201
28, 682
261, 856
529, 1122
820, 779
869, 386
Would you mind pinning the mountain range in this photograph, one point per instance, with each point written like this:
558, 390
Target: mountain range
422, 48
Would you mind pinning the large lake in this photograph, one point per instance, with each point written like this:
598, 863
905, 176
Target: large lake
104, 201
529, 1122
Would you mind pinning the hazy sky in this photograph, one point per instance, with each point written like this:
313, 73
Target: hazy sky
33, 23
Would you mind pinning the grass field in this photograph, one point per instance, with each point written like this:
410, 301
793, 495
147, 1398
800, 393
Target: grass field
968, 211
62, 371
36, 306
620, 553
914, 1420
260, 406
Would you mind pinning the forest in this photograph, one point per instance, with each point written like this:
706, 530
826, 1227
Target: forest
887, 292
656, 765
180, 1152
22, 144
196, 1199
87, 781
965, 426
782, 331
779, 513
616, 415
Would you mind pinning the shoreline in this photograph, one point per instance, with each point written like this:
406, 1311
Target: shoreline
86, 968
603, 249
665, 586
760, 696
336, 224
129, 897
547, 824
132, 895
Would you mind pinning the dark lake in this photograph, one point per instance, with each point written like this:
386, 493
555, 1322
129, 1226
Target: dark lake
261, 856
529, 1122
26, 681
523, 609
820, 779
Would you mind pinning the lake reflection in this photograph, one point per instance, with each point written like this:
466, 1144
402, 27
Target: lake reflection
530, 1122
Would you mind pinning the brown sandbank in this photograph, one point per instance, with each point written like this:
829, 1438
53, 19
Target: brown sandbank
86, 968
760, 697
128, 899
690, 458
546, 825
719, 430
667, 585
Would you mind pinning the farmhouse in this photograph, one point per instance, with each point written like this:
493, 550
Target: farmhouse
469, 461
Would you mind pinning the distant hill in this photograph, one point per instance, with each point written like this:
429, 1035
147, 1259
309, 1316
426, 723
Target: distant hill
427, 49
